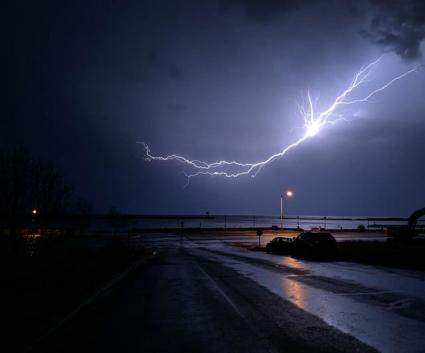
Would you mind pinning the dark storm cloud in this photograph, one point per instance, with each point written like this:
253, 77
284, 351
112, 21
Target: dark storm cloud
399, 25
210, 80
177, 108
396, 24
264, 10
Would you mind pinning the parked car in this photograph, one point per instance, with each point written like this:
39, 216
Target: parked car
314, 245
280, 245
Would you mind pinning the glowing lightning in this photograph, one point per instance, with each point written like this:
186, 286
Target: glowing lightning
312, 125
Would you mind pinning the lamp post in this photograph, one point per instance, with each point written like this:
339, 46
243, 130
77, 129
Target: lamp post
288, 194
34, 213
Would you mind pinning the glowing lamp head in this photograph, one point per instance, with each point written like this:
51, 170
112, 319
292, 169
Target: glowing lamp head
313, 130
34, 211
289, 193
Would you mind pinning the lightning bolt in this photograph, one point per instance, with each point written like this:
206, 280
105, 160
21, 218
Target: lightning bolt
313, 124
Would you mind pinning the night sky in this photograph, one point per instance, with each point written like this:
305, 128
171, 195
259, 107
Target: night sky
210, 80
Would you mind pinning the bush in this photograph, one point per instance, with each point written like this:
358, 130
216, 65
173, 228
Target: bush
361, 227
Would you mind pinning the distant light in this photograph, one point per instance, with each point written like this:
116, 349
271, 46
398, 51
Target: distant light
34, 211
289, 193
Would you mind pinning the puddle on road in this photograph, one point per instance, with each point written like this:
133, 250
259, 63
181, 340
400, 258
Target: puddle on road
375, 325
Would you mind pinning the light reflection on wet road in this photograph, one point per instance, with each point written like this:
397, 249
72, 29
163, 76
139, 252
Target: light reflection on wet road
382, 307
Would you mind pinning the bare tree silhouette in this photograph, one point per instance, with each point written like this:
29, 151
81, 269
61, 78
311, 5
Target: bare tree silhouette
31, 189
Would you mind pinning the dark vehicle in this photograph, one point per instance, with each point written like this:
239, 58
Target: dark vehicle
320, 245
280, 245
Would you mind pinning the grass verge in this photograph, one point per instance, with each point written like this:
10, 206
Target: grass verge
407, 255
404, 255
39, 290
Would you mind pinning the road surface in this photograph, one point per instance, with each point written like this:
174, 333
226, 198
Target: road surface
206, 295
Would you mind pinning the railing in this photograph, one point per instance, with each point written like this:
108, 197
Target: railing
126, 222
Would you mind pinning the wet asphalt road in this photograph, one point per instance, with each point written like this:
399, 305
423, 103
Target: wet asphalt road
382, 307
184, 302
203, 294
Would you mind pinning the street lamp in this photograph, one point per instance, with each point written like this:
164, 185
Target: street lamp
288, 194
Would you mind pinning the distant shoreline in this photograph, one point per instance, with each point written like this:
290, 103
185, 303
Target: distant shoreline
248, 230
